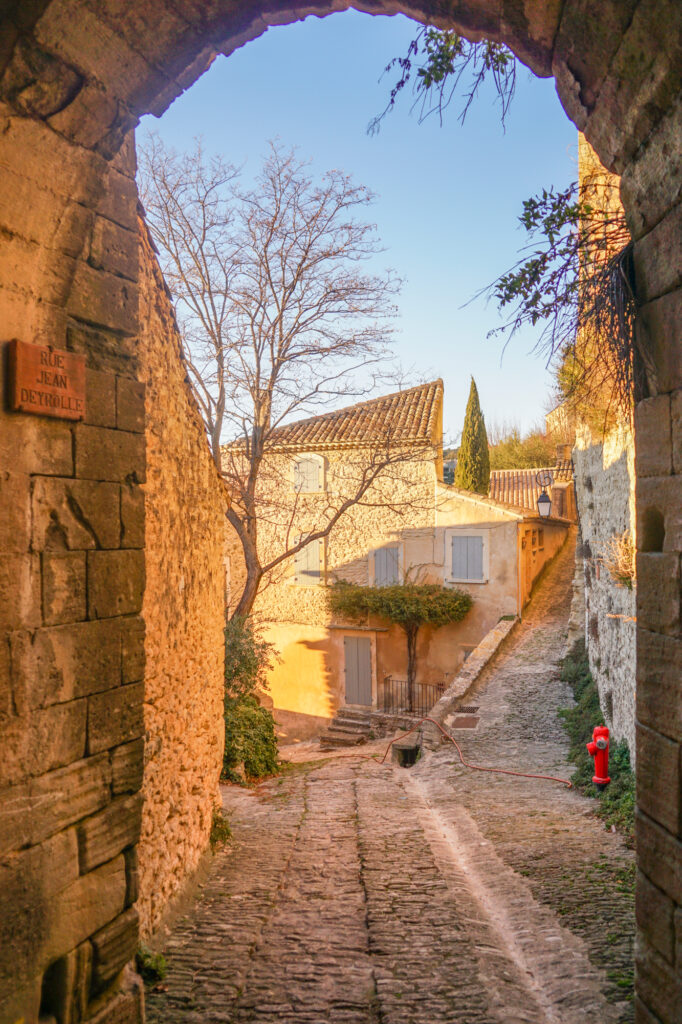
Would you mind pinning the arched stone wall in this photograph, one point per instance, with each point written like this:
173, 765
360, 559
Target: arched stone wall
75, 77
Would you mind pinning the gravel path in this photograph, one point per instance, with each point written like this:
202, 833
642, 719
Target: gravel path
378, 895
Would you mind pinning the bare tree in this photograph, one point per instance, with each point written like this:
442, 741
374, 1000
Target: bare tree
280, 317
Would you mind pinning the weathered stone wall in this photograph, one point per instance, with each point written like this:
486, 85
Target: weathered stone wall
71, 586
605, 490
75, 79
183, 610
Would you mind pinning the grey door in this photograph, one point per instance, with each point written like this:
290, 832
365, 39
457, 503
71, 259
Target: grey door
358, 669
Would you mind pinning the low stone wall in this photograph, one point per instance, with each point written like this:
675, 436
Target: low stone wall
464, 680
604, 472
183, 611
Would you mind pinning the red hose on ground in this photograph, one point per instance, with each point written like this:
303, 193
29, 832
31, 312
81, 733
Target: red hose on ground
467, 764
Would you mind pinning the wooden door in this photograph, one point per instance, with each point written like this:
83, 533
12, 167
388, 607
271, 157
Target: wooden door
358, 669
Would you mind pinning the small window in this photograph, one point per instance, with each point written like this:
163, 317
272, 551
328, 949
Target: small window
467, 558
308, 564
541, 539
309, 474
387, 566
535, 538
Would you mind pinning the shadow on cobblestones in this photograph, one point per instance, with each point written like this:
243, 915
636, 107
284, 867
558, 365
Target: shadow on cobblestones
377, 895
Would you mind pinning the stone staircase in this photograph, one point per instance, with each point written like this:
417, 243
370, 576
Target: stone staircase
348, 728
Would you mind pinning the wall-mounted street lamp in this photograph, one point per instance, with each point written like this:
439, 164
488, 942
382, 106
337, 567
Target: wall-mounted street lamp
544, 501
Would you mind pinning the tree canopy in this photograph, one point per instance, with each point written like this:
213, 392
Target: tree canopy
472, 472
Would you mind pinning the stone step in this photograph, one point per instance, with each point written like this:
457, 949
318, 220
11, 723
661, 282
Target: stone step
354, 714
332, 738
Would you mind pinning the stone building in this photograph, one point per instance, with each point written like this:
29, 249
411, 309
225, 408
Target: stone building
75, 77
408, 525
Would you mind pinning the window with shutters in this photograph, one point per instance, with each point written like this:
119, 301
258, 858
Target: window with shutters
308, 564
387, 565
467, 557
308, 474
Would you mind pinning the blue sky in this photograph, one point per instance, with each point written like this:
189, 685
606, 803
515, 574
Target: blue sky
448, 197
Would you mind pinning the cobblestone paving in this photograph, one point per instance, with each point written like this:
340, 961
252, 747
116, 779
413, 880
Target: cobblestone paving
378, 895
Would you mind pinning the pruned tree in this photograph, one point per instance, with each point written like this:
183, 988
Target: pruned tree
408, 605
472, 472
279, 317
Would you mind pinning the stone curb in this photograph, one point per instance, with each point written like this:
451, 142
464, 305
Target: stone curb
464, 680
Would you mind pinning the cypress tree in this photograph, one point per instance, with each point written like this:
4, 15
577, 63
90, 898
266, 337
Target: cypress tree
473, 461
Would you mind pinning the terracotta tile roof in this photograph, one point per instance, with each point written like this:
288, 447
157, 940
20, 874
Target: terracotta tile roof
519, 488
413, 416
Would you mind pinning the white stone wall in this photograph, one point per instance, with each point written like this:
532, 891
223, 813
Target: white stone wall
604, 470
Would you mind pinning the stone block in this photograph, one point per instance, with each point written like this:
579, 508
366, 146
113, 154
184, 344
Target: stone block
651, 184
126, 1006
663, 493
115, 582
83, 907
654, 911
61, 798
659, 856
35, 444
132, 877
106, 352
30, 885
115, 717
103, 454
658, 575
133, 660
653, 437
657, 331
658, 985
75, 514
643, 1014
15, 521
130, 404
676, 420
66, 986
113, 947
659, 683
104, 835
56, 736
114, 249
100, 298
100, 398
119, 200
19, 591
658, 257
62, 663
582, 56
15, 822
658, 778
132, 516
127, 768
64, 595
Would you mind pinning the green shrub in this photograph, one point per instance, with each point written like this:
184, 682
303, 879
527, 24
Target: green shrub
250, 741
617, 802
151, 966
221, 832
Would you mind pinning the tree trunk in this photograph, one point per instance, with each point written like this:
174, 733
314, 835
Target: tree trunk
411, 632
252, 565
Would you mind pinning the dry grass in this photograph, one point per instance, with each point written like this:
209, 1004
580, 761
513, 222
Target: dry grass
618, 559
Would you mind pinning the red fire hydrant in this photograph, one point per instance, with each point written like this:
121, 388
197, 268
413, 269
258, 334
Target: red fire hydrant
599, 750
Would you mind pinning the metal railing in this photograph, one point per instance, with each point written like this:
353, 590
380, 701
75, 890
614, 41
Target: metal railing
395, 698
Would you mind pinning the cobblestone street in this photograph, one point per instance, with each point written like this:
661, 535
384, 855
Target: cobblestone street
354, 892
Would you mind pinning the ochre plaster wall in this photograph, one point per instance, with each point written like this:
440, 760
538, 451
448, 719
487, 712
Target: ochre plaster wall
183, 611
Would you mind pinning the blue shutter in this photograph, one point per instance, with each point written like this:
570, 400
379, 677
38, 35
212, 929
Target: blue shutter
386, 566
307, 569
467, 558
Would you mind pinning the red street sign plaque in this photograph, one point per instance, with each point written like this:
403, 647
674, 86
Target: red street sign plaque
46, 381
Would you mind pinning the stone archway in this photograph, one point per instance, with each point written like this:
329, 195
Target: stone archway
76, 76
